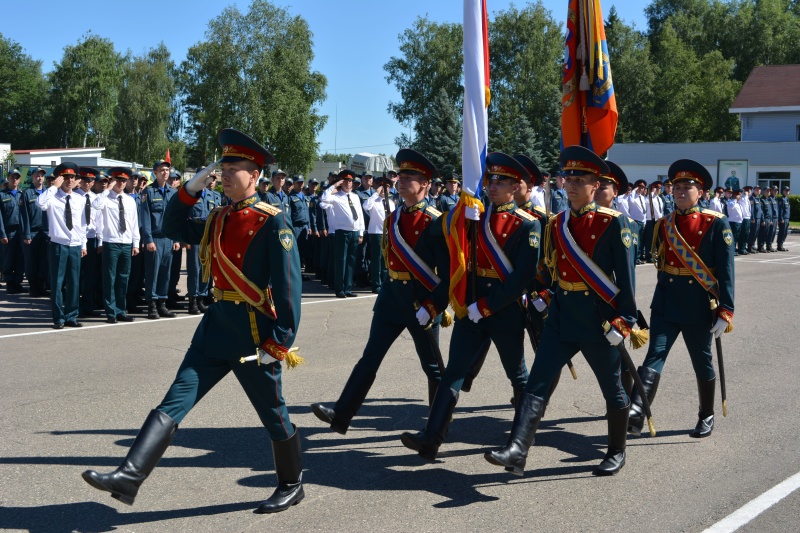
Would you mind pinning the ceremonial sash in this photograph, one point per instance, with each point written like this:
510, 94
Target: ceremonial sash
414, 263
248, 290
494, 252
689, 258
587, 269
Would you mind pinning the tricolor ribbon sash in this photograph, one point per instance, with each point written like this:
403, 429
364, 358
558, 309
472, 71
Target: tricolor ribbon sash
421, 271
492, 250
587, 269
690, 259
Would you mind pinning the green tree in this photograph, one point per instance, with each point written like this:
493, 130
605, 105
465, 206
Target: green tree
146, 105
253, 72
23, 93
431, 59
83, 94
438, 135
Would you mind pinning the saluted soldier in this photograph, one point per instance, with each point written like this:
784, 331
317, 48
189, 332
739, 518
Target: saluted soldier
249, 249
694, 294
586, 276
375, 208
507, 252
346, 219
416, 255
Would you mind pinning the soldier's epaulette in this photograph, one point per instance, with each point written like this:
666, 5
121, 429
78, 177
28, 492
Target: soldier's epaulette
523, 214
269, 209
712, 212
609, 211
540, 209
433, 211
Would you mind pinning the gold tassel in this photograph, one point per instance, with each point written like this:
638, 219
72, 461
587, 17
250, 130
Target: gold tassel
729, 328
584, 84
292, 359
205, 249
639, 338
447, 319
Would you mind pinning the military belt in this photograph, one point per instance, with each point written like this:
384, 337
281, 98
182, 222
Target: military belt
675, 271
402, 276
231, 296
578, 286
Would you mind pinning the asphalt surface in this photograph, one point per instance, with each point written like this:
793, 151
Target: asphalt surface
74, 399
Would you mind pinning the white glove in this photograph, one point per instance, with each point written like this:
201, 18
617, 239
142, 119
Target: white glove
614, 337
472, 213
539, 304
719, 327
200, 180
473, 313
423, 316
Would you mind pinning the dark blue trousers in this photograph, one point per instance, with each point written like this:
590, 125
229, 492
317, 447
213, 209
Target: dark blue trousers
664, 333
157, 269
116, 272
65, 272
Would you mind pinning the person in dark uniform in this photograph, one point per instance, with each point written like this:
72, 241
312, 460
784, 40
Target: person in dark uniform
586, 275
312, 258
558, 196
249, 249
507, 253
298, 211
414, 297
364, 191
196, 289
694, 293
668, 198
449, 198
322, 229
66, 223
34, 235
784, 214
135, 298
212, 200
275, 194
90, 263
772, 227
756, 219
375, 210
173, 293
263, 186
766, 222
13, 261
158, 247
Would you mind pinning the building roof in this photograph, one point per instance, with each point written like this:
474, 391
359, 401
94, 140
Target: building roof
34, 151
769, 88
770, 154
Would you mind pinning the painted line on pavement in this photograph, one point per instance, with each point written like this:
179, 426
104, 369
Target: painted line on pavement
146, 321
751, 510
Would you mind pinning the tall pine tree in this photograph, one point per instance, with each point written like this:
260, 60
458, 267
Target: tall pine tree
438, 135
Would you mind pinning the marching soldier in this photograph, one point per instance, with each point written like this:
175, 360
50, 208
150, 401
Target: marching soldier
66, 222
413, 298
586, 273
449, 198
507, 253
13, 262
158, 247
250, 251
694, 291
34, 235
120, 237
784, 213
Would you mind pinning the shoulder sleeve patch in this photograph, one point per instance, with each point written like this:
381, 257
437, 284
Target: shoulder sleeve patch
521, 213
712, 212
607, 211
433, 211
267, 208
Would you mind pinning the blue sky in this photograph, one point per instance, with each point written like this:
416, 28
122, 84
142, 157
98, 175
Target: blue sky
353, 39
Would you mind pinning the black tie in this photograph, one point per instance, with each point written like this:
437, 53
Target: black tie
352, 207
87, 211
122, 226
67, 212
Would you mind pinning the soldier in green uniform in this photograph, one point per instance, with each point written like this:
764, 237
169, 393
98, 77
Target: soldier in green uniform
249, 249
694, 259
415, 296
586, 275
507, 252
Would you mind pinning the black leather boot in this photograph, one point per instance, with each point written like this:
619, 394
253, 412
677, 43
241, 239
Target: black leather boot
353, 395
289, 470
427, 441
152, 310
150, 444
432, 386
163, 312
617, 436
193, 308
201, 304
650, 379
476, 366
526, 420
627, 381
705, 422
518, 392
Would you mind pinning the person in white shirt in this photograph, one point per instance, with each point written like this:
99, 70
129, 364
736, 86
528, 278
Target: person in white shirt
747, 213
621, 201
90, 264
735, 214
120, 238
375, 207
537, 192
637, 210
654, 209
716, 202
346, 218
67, 230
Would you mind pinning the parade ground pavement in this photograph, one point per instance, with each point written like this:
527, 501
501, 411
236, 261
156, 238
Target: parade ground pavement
74, 399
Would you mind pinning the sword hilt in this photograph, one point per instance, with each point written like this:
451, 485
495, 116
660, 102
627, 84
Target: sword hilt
652, 426
724, 407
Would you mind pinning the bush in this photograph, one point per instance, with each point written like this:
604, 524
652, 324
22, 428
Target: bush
794, 207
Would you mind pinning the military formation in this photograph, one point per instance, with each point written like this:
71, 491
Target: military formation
550, 261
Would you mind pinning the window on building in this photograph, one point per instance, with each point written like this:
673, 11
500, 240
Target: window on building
768, 179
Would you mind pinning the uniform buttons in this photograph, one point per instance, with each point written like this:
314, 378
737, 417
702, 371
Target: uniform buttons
238, 256
416, 233
516, 223
505, 234
700, 232
488, 284
671, 280
586, 293
563, 273
694, 216
215, 278
236, 302
250, 232
246, 211
605, 220
565, 293
215, 254
405, 282
671, 262
261, 219
692, 247
590, 215
691, 281
505, 216
708, 219
563, 256
592, 236
391, 280
391, 262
